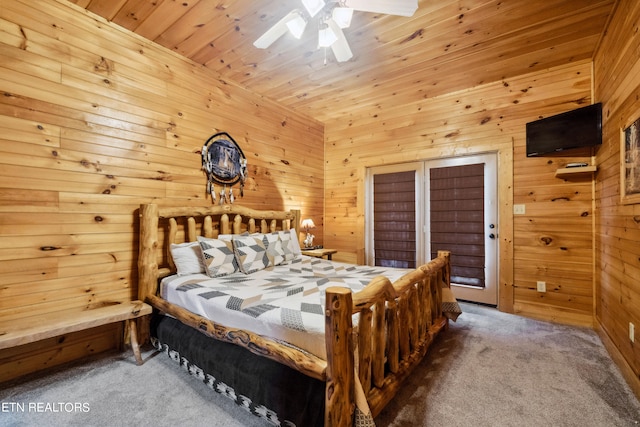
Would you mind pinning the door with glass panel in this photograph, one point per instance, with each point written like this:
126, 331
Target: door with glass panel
394, 216
416, 209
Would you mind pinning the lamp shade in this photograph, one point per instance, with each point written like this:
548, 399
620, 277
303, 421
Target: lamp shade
313, 6
326, 37
307, 224
342, 16
297, 25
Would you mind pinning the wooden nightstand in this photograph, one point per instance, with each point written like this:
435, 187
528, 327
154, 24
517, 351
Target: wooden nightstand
319, 253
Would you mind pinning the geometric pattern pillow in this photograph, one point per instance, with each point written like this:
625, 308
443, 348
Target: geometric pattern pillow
251, 254
285, 238
219, 259
187, 258
275, 251
294, 244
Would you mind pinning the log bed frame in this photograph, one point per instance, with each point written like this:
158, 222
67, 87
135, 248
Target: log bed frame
397, 322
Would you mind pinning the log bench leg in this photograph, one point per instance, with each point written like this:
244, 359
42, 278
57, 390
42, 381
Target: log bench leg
133, 334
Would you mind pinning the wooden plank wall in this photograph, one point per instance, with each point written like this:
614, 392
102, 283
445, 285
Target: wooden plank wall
94, 121
552, 242
617, 225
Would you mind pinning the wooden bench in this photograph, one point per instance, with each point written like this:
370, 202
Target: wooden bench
37, 328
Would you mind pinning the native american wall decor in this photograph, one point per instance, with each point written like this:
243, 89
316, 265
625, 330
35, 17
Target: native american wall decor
224, 164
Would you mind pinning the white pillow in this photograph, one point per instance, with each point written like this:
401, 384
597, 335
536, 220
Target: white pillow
251, 253
187, 257
219, 258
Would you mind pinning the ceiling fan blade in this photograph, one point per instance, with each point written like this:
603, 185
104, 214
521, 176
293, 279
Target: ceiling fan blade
340, 47
389, 7
275, 32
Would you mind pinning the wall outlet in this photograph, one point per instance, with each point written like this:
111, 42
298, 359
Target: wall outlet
632, 332
541, 286
518, 209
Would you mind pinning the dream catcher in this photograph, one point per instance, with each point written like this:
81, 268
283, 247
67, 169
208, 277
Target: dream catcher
224, 163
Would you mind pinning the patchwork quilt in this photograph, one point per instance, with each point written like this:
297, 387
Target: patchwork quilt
285, 302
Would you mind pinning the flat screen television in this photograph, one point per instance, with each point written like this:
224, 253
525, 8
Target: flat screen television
576, 129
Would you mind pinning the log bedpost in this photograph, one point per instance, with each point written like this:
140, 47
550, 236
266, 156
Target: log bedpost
295, 222
147, 260
447, 266
172, 235
340, 359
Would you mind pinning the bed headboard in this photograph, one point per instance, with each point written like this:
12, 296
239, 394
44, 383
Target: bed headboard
161, 226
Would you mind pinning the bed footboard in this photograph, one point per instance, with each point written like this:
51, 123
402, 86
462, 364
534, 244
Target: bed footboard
397, 324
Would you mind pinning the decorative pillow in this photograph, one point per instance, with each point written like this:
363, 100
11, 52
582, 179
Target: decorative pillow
218, 255
187, 257
285, 238
251, 253
295, 243
273, 244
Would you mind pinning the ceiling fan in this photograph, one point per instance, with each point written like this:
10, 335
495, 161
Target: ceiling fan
334, 17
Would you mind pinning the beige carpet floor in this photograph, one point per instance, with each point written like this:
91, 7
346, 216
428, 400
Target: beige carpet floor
488, 369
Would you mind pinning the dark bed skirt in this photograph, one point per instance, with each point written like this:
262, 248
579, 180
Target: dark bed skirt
264, 387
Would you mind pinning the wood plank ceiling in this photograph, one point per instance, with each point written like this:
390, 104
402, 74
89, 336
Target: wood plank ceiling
448, 45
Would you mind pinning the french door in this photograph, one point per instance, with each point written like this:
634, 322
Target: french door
416, 209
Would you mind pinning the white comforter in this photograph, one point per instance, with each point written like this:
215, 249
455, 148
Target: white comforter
285, 302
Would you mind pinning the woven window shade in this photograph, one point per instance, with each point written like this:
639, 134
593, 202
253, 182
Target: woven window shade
394, 207
457, 220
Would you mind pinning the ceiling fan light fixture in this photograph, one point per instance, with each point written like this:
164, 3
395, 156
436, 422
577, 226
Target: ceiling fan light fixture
297, 25
313, 6
342, 16
326, 37
335, 16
